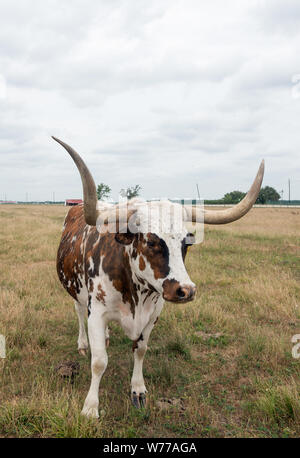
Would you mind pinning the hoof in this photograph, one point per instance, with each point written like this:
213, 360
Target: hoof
83, 351
143, 400
139, 401
90, 412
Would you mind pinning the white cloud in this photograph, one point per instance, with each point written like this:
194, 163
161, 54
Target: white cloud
165, 94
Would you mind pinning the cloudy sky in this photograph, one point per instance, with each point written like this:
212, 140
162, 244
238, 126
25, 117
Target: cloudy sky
162, 93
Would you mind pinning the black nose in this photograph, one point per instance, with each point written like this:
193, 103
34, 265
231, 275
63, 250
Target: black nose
186, 292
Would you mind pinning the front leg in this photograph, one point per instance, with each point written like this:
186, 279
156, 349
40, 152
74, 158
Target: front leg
138, 389
139, 347
97, 338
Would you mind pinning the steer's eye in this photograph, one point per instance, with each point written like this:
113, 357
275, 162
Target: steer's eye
151, 244
189, 239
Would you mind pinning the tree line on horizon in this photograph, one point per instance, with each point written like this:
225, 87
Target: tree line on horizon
266, 194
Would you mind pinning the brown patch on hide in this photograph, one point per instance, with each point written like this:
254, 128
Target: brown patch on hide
91, 285
135, 342
142, 264
155, 251
101, 294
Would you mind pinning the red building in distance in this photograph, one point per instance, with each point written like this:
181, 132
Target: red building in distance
73, 201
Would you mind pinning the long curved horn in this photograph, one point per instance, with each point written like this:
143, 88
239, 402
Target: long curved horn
88, 184
195, 214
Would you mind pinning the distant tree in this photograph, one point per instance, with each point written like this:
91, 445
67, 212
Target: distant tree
131, 192
233, 197
267, 194
103, 191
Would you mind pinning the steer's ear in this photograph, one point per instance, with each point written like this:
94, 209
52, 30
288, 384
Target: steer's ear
125, 238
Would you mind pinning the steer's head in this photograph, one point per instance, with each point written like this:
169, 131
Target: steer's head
154, 235
156, 241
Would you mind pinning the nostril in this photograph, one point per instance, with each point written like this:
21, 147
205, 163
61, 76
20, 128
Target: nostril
181, 292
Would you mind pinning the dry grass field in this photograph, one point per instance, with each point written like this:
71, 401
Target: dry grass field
224, 360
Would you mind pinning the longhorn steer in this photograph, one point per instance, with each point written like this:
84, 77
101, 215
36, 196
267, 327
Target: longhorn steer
124, 274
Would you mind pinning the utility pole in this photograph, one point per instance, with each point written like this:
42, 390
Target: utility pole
198, 191
289, 191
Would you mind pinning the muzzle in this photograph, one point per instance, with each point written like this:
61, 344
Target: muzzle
173, 291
